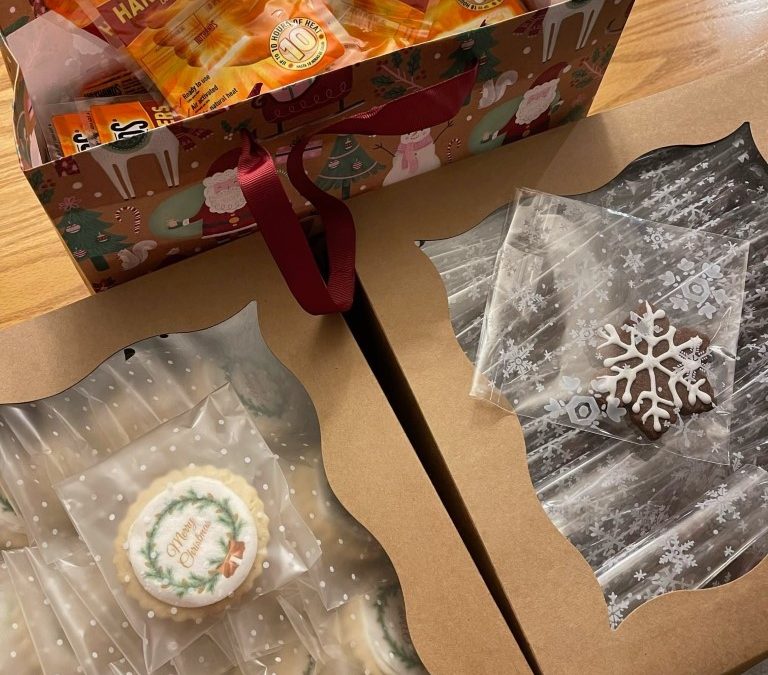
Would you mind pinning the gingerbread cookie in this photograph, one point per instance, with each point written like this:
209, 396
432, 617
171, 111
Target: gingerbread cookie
656, 371
192, 543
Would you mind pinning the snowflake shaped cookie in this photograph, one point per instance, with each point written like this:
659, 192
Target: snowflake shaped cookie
656, 371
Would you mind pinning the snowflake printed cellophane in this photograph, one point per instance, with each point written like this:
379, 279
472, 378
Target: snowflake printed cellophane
608, 495
569, 271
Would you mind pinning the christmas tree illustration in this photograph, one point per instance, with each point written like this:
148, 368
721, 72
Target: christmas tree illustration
87, 236
474, 46
347, 164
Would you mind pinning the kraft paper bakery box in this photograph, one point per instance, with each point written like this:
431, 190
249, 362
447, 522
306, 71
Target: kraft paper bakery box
454, 622
693, 157
132, 206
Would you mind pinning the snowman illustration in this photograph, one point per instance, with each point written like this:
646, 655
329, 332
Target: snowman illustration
415, 154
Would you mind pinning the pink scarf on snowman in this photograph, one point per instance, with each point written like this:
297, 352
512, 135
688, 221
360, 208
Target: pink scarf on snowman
410, 162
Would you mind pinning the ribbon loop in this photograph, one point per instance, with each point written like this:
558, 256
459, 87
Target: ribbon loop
277, 220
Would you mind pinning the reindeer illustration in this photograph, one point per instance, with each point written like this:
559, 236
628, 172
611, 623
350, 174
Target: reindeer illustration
556, 15
114, 158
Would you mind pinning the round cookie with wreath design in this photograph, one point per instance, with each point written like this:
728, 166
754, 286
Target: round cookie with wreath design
192, 543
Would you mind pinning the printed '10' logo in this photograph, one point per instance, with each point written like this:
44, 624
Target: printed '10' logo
298, 44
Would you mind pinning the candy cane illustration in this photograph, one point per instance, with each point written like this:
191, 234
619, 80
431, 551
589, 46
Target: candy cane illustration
453, 145
136, 216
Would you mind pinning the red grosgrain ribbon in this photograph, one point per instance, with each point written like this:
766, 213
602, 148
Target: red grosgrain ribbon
279, 224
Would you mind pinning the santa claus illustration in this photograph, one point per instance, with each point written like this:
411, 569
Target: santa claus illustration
224, 211
537, 104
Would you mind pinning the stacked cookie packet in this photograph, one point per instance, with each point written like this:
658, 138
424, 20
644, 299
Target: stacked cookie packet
170, 513
626, 329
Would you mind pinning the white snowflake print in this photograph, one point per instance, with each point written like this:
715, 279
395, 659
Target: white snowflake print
616, 475
616, 609
724, 501
659, 348
610, 534
515, 359
676, 553
586, 333
479, 288
688, 431
633, 261
700, 289
526, 299
582, 411
664, 581
658, 237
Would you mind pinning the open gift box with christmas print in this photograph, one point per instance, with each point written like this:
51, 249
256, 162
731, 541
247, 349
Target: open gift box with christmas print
624, 532
142, 200
200, 432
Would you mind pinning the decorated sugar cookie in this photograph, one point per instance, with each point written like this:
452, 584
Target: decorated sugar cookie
374, 629
192, 543
656, 371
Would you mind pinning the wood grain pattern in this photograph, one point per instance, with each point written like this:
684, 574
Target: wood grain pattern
666, 43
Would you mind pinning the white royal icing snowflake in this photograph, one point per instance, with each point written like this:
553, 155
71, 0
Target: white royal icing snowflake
686, 355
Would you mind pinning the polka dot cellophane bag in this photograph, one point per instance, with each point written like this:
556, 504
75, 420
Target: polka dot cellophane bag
134, 393
176, 511
52, 648
17, 654
131, 393
365, 635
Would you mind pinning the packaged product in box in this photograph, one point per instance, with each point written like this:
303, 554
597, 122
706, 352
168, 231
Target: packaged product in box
181, 538
639, 516
18, 654
629, 329
193, 466
585, 301
92, 647
54, 653
445, 80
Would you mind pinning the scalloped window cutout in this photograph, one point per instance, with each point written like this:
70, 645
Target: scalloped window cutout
652, 522
347, 608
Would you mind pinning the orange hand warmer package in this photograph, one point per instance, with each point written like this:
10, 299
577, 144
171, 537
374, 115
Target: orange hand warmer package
70, 129
447, 17
211, 53
122, 119
78, 125
382, 26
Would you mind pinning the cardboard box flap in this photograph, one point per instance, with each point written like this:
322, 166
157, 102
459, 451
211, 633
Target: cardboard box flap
551, 589
372, 468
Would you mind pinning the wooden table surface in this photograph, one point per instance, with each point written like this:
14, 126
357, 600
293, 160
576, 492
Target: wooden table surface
666, 43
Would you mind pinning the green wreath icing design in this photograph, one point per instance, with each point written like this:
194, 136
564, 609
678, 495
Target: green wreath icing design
405, 653
5, 505
195, 582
